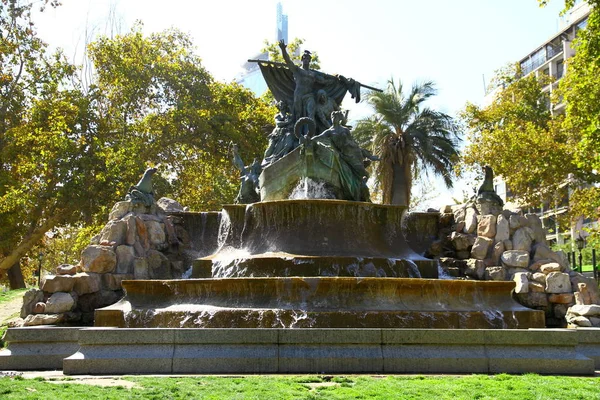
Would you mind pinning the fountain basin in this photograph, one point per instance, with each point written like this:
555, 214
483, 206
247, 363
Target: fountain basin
320, 302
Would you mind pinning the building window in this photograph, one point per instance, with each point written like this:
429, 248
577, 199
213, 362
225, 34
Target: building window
560, 69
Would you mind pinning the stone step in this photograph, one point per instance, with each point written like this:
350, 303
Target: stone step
38, 347
251, 351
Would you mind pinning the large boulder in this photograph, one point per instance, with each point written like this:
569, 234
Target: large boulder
522, 238
487, 226
159, 266
462, 241
58, 283
43, 319
470, 220
475, 268
169, 205
535, 223
87, 283
502, 229
515, 258
99, 259
119, 210
125, 257
30, 299
542, 252
59, 303
521, 282
481, 247
558, 282
114, 232
156, 232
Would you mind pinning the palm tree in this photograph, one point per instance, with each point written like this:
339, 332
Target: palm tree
408, 138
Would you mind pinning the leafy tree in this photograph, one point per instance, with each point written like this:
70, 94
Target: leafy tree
517, 136
68, 153
409, 138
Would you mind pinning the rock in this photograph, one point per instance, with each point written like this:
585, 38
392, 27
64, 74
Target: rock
39, 308
543, 252
516, 221
459, 212
114, 231
535, 223
562, 298
508, 245
515, 258
579, 300
523, 238
595, 321
460, 226
159, 265
461, 241
87, 283
89, 302
533, 299
142, 233
497, 252
550, 267
579, 321
171, 235
59, 303
156, 232
66, 269
131, 231
57, 283
30, 299
445, 209
537, 287
593, 296
539, 277
119, 210
513, 271
169, 205
114, 281
99, 259
125, 257
535, 266
140, 269
584, 294
522, 283
436, 248
560, 310
586, 310
481, 247
463, 254
487, 226
470, 220
558, 282
42, 319
177, 269
475, 268
496, 273
502, 229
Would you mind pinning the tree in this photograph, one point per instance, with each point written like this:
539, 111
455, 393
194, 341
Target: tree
293, 49
517, 136
409, 138
68, 154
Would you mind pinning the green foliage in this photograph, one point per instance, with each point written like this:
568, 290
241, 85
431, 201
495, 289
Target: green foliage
517, 137
294, 50
409, 138
69, 152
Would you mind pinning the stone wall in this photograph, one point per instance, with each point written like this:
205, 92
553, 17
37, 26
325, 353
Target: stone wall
512, 246
138, 242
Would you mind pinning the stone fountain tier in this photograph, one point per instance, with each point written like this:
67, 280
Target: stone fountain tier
313, 238
322, 302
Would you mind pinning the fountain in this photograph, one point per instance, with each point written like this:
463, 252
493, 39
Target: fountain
314, 252
306, 275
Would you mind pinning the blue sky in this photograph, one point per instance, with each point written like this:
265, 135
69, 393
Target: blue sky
455, 43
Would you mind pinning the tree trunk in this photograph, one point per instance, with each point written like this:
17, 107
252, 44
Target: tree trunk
401, 184
15, 277
27, 243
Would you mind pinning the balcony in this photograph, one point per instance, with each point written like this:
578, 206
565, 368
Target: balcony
540, 57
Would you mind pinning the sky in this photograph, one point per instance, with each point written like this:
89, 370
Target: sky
456, 43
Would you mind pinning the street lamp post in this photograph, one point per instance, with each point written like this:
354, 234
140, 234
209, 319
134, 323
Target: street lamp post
580, 245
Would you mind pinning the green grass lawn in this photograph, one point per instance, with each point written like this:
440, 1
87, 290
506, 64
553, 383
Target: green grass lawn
501, 386
8, 295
